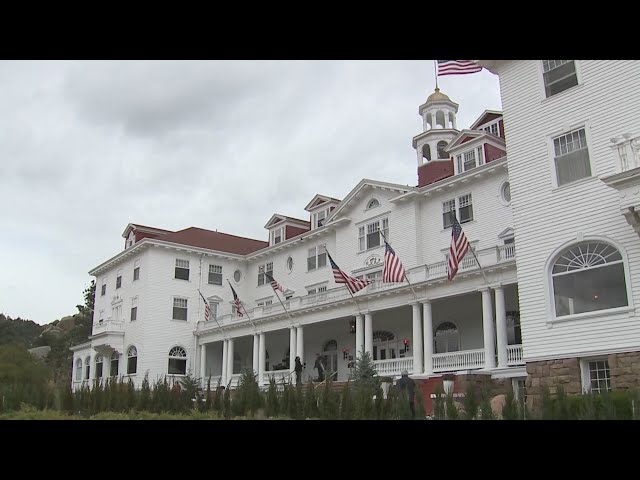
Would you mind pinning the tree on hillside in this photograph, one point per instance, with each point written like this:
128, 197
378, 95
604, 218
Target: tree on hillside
18, 366
18, 331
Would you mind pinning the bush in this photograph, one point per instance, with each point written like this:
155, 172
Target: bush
272, 403
310, 402
471, 403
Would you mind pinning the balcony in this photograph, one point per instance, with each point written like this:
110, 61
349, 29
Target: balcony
489, 257
626, 178
108, 325
107, 336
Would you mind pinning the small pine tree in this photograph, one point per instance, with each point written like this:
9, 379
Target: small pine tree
346, 406
272, 403
548, 412
438, 403
510, 410
471, 403
208, 405
451, 409
311, 402
144, 398
420, 411
486, 413
226, 404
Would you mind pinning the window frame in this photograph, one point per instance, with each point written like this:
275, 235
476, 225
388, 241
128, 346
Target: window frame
119, 279
99, 360
316, 257
129, 357
180, 358
364, 234
79, 365
182, 268
136, 270
550, 292
134, 309
117, 360
103, 289
185, 308
277, 233
552, 153
585, 372
543, 84
215, 267
456, 209
261, 273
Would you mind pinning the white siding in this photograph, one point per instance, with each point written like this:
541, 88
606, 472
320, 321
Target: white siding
608, 101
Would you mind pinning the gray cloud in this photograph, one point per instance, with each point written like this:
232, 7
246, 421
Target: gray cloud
87, 147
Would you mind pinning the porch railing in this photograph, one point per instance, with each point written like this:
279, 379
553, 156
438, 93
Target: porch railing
514, 355
433, 271
462, 360
394, 366
108, 325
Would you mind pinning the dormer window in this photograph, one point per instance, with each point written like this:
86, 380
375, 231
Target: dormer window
373, 203
493, 129
320, 217
277, 235
469, 160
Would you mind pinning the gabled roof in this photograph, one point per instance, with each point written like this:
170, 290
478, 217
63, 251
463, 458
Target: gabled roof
143, 228
277, 218
363, 184
506, 233
320, 199
222, 242
474, 134
485, 117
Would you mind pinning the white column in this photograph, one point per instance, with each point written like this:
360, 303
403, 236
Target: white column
292, 348
501, 328
203, 361
417, 339
359, 335
230, 360
263, 359
487, 328
300, 344
225, 349
368, 333
256, 348
454, 122
427, 331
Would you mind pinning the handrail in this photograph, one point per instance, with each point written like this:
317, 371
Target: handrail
327, 377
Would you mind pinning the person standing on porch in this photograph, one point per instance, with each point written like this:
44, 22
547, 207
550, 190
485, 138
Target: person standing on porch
409, 385
298, 370
320, 367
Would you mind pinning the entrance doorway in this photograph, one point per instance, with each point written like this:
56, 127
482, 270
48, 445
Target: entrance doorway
330, 359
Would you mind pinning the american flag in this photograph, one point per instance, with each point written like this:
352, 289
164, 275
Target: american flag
457, 67
275, 285
393, 268
237, 302
353, 284
459, 246
207, 309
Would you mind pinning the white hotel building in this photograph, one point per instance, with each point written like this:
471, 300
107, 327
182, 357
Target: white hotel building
149, 316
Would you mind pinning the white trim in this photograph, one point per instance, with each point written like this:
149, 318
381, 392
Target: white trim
541, 85
585, 371
549, 293
552, 154
503, 200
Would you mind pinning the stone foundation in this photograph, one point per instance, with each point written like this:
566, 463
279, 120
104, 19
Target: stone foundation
624, 369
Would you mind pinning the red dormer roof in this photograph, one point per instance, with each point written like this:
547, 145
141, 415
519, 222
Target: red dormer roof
486, 117
221, 242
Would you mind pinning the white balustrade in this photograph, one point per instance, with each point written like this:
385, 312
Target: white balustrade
506, 252
394, 366
108, 325
461, 360
514, 355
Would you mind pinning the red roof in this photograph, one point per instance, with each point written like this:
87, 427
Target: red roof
222, 242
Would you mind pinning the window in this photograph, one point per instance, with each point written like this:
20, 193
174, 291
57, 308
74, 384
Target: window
571, 157
373, 203
317, 257
442, 155
213, 307
596, 376
115, 362
446, 338
237, 276
465, 208
588, 277
101, 316
493, 128
99, 362
79, 370
136, 270
119, 279
447, 207
469, 160
372, 238
276, 236
314, 290
519, 386
134, 309
177, 361
261, 270
132, 360
215, 274
182, 269
180, 309
559, 75
87, 367
104, 287
373, 276
320, 217
289, 264
505, 192
264, 303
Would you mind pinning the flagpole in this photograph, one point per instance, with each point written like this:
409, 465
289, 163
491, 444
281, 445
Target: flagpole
348, 289
435, 70
242, 305
214, 318
405, 272
285, 308
451, 214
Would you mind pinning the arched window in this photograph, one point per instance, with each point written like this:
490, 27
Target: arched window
452, 120
87, 367
373, 203
132, 360
426, 152
99, 362
440, 120
115, 363
442, 155
587, 277
447, 338
177, 361
79, 370
330, 346
514, 336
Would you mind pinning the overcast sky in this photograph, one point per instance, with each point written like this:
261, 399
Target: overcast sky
87, 147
